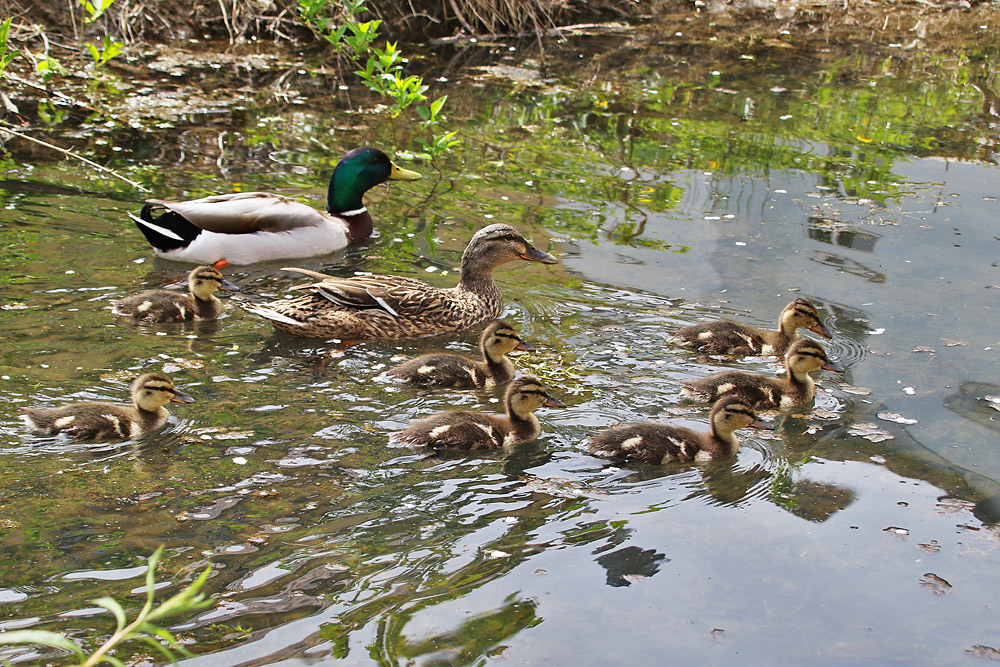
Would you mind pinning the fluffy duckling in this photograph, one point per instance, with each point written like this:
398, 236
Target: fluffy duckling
728, 337
160, 305
464, 429
455, 370
803, 357
659, 443
385, 306
104, 421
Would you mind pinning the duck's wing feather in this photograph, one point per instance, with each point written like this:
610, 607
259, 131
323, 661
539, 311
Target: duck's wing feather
394, 295
246, 212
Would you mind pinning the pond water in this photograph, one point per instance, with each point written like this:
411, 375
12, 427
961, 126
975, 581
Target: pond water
679, 187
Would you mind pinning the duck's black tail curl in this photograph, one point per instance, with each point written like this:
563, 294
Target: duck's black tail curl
169, 231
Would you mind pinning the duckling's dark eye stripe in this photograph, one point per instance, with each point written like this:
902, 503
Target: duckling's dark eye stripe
207, 276
156, 387
502, 334
806, 312
813, 354
741, 411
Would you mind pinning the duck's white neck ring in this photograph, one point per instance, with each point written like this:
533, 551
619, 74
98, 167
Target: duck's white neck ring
351, 214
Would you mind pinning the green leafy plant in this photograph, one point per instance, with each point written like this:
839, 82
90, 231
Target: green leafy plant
6, 53
95, 9
439, 143
143, 627
336, 22
107, 51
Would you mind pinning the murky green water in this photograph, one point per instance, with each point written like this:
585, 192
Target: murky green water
672, 192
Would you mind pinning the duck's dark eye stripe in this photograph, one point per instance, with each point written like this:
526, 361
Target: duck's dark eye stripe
807, 313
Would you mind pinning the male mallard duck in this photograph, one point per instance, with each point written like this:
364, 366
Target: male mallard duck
446, 369
102, 421
378, 306
803, 357
728, 337
659, 443
464, 429
247, 227
160, 305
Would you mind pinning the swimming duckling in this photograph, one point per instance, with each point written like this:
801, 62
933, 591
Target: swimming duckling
446, 369
803, 357
660, 443
160, 305
103, 421
388, 306
728, 337
464, 429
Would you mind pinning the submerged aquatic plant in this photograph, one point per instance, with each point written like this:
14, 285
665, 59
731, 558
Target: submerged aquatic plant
143, 627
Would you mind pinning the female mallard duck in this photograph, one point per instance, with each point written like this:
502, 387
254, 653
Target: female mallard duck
728, 337
378, 306
647, 442
803, 357
464, 429
103, 421
455, 370
160, 305
247, 227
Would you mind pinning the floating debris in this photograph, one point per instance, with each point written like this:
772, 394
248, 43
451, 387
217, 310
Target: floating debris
877, 332
857, 391
954, 506
954, 343
983, 651
175, 365
909, 391
937, 584
896, 530
924, 349
869, 431
895, 417
931, 547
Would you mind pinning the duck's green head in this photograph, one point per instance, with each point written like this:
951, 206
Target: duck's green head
359, 171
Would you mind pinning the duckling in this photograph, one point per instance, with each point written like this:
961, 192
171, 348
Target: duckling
647, 442
455, 370
380, 306
160, 305
103, 421
803, 357
464, 429
728, 337
248, 227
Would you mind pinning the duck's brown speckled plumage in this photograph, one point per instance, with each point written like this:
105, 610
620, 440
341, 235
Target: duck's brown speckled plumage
661, 443
446, 369
107, 421
465, 429
162, 305
797, 387
381, 306
728, 337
